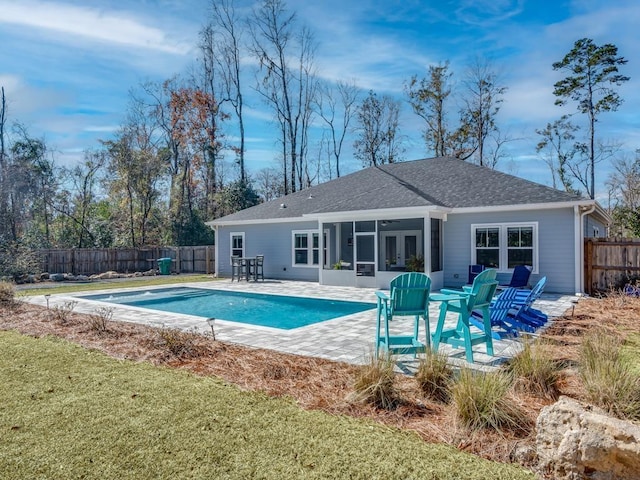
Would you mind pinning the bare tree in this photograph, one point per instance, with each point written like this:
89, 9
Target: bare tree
558, 148
581, 168
226, 51
288, 88
78, 204
625, 180
268, 184
624, 186
4, 188
336, 105
482, 101
3, 121
495, 149
378, 140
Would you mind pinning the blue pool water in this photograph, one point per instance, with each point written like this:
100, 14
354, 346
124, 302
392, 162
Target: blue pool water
276, 311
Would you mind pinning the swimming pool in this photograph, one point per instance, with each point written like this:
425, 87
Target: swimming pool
277, 311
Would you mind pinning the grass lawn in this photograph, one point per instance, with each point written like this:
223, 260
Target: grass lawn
69, 287
68, 412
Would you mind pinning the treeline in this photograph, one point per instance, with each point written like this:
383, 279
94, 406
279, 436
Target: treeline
178, 158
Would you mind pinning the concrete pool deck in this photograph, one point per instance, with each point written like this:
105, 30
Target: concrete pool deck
347, 339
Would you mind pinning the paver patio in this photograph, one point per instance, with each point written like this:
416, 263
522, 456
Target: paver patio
348, 339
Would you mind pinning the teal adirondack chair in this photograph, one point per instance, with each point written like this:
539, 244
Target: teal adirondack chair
478, 297
408, 297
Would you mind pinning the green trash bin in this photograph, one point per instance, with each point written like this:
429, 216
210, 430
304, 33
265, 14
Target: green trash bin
164, 265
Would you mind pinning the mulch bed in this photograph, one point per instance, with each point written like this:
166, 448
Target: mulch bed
323, 384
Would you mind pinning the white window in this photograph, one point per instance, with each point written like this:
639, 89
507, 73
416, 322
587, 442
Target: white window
504, 246
237, 244
306, 248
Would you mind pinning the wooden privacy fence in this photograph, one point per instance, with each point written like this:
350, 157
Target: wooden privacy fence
90, 261
610, 263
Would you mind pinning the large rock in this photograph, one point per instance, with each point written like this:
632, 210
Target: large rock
576, 442
110, 274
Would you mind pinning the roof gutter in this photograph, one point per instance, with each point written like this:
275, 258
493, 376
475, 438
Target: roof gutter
523, 206
376, 214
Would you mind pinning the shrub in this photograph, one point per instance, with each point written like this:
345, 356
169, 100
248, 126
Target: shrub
180, 343
374, 382
100, 320
609, 380
434, 375
61, 313
7, 294
17, 261
535, 371
415, 263
481, 400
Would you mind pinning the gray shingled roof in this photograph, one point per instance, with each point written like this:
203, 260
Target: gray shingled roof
445, 182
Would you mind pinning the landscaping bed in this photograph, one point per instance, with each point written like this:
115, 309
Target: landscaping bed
317, 384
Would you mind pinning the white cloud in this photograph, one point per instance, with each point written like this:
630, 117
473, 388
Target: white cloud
488, 13
23, 99
114, 28
10, 83
101, 128
530, 100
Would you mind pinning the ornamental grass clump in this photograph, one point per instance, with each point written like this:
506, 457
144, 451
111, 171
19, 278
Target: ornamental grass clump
609, 379
434, 376
374, 382
481, 400
179, 343
535, 371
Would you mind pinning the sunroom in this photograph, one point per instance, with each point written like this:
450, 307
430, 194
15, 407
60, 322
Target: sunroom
371, 252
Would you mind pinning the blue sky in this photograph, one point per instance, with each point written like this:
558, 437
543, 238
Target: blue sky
67, 66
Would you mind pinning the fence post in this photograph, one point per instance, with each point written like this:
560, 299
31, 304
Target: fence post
588, 259
207, 259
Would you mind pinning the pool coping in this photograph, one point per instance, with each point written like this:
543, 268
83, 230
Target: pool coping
217, 321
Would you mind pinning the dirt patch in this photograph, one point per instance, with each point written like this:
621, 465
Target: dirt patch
327, 385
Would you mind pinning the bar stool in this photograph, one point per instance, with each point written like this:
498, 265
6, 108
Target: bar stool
258, 268
236, 268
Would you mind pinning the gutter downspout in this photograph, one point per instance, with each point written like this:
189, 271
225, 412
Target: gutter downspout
580, 249
216, 252
321, 252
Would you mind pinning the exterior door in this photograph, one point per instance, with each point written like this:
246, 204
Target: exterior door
399, 247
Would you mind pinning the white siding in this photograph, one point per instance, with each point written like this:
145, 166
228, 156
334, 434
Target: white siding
556, 246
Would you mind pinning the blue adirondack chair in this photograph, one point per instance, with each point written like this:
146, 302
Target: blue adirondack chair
474, 271
464, 303
502, 323
408, 297
519, 278
523, 310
